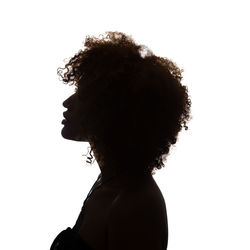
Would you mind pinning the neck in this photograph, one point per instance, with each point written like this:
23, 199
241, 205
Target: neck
112, 178
108, 173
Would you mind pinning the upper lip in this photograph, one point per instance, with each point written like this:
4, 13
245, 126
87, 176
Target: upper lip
65, 115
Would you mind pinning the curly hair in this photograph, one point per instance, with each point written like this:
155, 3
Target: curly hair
134, 101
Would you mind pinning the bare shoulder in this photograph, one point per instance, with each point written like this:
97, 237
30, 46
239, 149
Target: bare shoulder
139, 214
145, 193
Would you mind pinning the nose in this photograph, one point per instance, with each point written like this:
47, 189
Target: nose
67, 102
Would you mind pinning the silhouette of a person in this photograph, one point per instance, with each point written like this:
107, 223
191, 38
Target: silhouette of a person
130, 109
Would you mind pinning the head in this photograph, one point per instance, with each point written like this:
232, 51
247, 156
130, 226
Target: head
129, 104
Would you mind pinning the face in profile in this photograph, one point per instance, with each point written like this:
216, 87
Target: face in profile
72, 129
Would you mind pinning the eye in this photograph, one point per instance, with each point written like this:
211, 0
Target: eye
79, 96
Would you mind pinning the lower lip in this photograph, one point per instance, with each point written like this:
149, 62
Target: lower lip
64, 121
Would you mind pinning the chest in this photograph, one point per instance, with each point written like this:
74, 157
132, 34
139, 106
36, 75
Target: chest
94, 218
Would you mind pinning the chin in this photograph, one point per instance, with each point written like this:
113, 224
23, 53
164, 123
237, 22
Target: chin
67, 134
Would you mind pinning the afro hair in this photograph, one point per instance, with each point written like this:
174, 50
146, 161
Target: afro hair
134, 100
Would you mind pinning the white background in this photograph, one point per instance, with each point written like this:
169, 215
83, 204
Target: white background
44, 178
